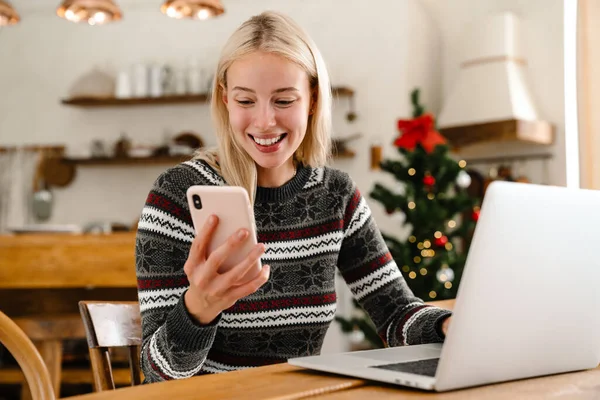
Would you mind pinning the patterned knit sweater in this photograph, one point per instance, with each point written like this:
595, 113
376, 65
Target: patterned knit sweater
316, 224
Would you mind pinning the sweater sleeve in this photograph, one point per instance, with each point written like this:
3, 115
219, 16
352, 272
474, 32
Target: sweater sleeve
377, 284
173, 344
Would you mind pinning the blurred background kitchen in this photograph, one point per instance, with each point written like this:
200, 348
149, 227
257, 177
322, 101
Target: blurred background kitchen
93, 109
379, 52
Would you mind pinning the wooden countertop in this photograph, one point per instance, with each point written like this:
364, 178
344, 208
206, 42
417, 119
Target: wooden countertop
48, 261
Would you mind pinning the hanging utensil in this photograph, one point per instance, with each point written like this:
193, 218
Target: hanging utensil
55, 171
42, 198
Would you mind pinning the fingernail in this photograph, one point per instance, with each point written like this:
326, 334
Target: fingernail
212, 219
242, 233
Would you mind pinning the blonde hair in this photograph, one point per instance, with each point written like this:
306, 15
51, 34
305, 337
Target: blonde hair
275, 33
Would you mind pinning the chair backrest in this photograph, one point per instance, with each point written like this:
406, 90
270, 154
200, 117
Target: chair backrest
28, 357
111, 324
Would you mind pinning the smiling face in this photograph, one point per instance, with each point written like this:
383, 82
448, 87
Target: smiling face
268, 98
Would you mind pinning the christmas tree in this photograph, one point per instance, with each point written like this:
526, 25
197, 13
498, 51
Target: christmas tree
432, 205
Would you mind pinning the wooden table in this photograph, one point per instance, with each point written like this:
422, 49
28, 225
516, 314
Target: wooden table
42, 278
286, 382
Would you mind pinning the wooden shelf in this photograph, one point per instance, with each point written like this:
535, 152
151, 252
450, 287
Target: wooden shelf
111, 101
164, 100
158, 160
153, 160
344, 154
342, 91
537, 132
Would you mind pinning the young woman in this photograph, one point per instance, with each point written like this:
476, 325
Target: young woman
271, 106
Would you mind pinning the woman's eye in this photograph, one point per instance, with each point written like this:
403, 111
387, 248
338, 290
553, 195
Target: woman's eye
284, 103
244, 102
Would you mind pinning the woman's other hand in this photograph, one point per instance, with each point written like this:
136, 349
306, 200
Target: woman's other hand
446, 325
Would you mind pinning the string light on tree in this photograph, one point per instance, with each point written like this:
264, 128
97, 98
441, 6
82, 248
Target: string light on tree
427, 253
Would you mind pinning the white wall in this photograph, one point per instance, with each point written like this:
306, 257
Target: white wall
542, 44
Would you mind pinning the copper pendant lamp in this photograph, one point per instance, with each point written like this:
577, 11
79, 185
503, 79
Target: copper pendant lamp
8, 15
93, 12
192, 9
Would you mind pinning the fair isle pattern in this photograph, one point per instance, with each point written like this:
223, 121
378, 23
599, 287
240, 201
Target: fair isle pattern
360, 217
303, 248
216, 367
312, 227
372, 282
159, 298
390, 329
292, 316
316, 177
206, 172
415, 317
160, 362
159, 221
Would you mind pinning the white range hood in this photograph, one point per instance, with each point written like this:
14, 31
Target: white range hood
490, 99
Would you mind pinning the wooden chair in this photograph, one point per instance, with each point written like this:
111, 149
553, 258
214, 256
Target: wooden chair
48, 332
29, 359
109, 325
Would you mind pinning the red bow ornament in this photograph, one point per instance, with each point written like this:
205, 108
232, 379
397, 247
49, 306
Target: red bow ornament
418, 130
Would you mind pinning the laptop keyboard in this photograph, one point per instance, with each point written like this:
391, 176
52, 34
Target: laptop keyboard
421, 367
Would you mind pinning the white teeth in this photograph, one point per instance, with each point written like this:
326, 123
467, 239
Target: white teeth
267, 142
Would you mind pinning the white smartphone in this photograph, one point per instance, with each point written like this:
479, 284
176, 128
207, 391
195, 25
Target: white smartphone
232, 205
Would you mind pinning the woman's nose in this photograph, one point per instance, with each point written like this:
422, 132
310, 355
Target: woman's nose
264, 118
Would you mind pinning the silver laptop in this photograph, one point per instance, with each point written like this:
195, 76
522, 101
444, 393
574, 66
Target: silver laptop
528, 304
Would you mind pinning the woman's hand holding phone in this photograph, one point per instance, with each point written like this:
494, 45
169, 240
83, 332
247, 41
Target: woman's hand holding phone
211, 292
